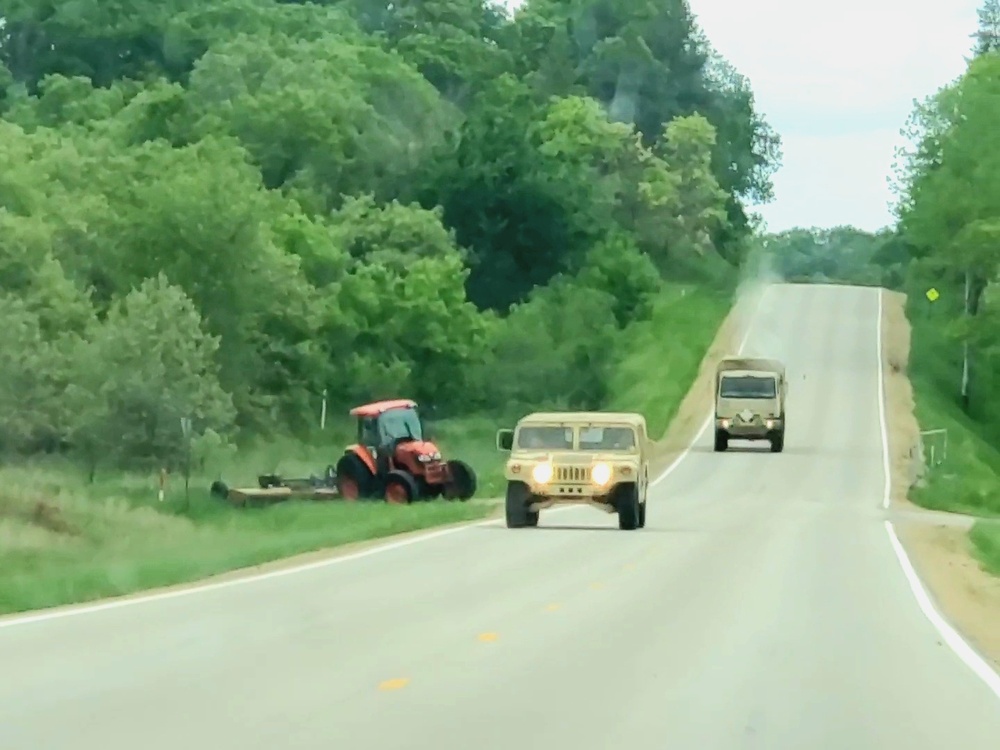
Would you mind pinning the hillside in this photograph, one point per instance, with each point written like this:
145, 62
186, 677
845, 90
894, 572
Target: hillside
229, 214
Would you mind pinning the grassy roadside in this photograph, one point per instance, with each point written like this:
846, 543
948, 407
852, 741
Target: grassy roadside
968, 479
65, 541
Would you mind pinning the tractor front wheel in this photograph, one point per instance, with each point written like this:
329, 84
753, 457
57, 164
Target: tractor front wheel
400, 488
354, 479
461, 484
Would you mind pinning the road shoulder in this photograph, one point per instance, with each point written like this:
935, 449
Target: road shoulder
939, 548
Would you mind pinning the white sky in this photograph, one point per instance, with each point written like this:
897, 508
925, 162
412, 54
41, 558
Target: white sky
837, 81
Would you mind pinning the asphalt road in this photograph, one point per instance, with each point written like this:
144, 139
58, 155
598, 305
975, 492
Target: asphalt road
762, 607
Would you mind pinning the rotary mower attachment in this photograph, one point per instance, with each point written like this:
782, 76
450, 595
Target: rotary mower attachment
273, 488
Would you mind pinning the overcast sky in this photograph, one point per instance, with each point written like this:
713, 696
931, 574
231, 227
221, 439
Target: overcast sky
837, 81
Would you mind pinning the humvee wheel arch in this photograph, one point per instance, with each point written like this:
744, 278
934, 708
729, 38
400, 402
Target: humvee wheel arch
630, 510
516, 510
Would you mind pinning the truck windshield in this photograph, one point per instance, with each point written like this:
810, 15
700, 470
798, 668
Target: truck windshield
545, 438
748, 386
607, 438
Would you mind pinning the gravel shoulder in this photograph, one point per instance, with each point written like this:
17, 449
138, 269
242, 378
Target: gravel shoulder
938, 548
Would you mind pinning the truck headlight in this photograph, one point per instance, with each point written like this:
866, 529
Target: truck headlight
542, 473
601, 474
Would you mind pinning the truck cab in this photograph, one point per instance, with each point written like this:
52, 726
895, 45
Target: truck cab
750, 401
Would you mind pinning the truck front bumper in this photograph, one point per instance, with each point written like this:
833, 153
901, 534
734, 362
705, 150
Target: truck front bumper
756, 429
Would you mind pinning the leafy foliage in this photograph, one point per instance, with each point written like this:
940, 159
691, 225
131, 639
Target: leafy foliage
221, 211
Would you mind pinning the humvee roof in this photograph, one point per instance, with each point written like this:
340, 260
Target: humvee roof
576, 417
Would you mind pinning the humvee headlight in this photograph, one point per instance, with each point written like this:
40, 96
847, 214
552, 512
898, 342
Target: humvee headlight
542, 473
725, 424
769, 423
601, 474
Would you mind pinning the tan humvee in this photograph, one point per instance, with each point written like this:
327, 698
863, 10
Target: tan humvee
750, 401
577, 458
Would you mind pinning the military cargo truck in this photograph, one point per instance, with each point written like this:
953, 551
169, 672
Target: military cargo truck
750, 401
600, 459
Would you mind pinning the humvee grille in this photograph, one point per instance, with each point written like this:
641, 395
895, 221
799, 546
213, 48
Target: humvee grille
571, 474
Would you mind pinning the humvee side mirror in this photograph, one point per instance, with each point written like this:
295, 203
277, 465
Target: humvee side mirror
505, 440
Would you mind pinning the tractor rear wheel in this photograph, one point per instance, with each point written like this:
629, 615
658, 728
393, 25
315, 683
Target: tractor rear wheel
354, 479
400, 488
461, 484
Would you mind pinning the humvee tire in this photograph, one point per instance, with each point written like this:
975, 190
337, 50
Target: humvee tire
778, 442
721, 441
516, 507
629, 507
642, 515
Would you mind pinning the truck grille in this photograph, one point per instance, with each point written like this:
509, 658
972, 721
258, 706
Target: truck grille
571, 474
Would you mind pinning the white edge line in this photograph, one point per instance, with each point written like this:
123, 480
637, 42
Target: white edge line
128, 600
886, 469
956, 643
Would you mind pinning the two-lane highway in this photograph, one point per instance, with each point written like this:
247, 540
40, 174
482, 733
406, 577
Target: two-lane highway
762, 607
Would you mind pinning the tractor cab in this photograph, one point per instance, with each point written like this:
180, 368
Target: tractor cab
385, 424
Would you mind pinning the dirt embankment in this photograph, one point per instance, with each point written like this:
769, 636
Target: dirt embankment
966, 594
694, 410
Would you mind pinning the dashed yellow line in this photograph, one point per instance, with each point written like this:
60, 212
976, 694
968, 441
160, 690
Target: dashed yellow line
488, 637
396, 683
552, 607
597, 585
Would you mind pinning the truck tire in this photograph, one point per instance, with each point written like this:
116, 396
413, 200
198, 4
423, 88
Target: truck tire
721, 441
778, 442
516, 507
629, 507
642, 515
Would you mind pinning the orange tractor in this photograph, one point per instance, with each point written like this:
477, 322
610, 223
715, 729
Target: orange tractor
393, 460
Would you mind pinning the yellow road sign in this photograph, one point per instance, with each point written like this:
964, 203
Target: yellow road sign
932, 294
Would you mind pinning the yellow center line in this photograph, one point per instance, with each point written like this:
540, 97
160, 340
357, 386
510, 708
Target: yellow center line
396, 683
488, 637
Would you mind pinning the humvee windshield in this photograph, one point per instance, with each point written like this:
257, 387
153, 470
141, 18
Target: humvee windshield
747, 386
545, 438
607, 438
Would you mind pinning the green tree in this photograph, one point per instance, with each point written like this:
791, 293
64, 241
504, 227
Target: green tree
148, 365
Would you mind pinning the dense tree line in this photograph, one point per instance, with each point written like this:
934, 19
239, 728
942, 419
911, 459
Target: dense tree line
220, 210
845, 255
949, 215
